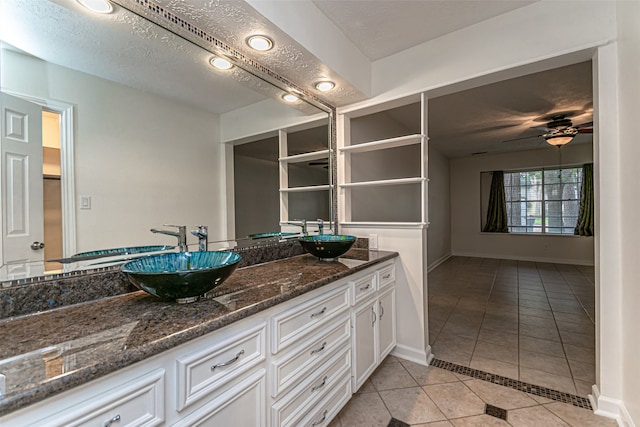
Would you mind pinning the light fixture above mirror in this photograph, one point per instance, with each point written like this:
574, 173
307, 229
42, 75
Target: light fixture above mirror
97, 6
221, 63
325, 86
260, 43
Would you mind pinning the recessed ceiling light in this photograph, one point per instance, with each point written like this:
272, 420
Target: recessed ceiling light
290, 98
259, 42
221, 63
98, 6
325, 86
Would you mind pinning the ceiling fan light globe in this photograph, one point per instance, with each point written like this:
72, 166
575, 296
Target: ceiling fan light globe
559, 140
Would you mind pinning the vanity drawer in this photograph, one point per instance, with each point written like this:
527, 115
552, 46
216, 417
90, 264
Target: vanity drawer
203, 372
387, 276
362, 288
299, 362
292, 325
139, 402
295, 405
329, 407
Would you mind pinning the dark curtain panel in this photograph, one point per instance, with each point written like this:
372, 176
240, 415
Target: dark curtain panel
497, 210
584, 227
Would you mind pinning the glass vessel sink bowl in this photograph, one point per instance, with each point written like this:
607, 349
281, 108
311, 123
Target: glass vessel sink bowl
182, 277
327, 246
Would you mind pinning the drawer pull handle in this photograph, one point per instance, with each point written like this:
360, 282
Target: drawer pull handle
318, 350
364, 288
319, 386
319, 313
112, 420
386, 276
320, 421
381, 310
373, 316
228, 362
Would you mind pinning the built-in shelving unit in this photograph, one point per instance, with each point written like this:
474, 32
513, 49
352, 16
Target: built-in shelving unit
382, 157
305, 181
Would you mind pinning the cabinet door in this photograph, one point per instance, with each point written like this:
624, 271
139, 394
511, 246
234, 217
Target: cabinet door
364, 319
387, 322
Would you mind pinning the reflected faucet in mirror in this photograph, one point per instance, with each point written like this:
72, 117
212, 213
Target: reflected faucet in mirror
181, 234
202, 233
302, 223
320, 226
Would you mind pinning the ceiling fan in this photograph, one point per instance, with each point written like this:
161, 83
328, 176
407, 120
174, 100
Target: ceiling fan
559, 129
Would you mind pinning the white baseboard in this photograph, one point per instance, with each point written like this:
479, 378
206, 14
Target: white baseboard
610, 408
522, 258
437, 262
413, 354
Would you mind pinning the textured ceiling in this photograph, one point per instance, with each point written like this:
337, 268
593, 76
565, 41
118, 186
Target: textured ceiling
382, 28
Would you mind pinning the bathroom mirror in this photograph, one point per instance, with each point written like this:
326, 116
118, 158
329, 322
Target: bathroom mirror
147, 127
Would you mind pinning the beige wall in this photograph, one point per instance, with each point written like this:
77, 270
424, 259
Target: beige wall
439, 231
466, 238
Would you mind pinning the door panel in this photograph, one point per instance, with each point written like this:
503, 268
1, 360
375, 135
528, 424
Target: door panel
21, 176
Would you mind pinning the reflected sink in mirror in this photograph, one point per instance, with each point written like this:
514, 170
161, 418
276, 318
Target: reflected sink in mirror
119, 251
327, 247
182, 277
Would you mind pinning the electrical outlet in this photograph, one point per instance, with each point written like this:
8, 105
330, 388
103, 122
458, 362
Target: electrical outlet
373, 242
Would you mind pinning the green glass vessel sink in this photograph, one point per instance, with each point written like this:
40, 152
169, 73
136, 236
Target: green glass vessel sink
327, 246
181, 277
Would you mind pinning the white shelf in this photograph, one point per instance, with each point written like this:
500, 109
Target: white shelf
306, 157
371, 224
309, 188
400, 141
399, 181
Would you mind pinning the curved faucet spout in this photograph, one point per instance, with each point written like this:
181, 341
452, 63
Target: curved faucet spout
181, 234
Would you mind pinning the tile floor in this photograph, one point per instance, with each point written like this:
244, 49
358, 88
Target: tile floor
528, 321
419, 395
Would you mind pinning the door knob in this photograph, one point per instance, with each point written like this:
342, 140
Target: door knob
37, 245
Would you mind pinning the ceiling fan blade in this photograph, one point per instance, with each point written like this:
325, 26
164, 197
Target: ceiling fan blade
523, 138
542, 128
585, 130
585, 125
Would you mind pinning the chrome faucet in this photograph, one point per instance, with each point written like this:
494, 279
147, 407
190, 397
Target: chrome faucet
320, 226
181, 234
202, 233
303, 224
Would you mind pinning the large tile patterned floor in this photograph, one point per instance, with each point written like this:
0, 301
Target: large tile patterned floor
528, 321
403, 393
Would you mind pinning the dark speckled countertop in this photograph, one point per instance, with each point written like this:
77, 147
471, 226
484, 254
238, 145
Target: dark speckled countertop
111, 333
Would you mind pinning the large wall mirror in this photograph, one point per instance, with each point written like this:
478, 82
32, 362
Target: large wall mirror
135, 129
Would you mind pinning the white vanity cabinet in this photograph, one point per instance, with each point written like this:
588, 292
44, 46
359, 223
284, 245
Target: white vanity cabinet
373, 319
294, 364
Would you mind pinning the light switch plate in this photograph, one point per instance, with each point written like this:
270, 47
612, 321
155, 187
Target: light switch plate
85, 202
373, 242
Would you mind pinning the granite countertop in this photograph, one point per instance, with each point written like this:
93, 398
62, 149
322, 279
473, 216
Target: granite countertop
49, 352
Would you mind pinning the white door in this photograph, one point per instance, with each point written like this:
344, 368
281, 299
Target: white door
21, 181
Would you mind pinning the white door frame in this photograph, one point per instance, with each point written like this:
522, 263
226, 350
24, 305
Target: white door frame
67, 167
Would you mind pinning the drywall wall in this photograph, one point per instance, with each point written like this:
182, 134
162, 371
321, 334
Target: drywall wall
466, 236
629, 108
439, 231
256, 191
144, 160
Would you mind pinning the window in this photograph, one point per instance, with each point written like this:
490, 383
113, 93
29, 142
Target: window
543, 201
